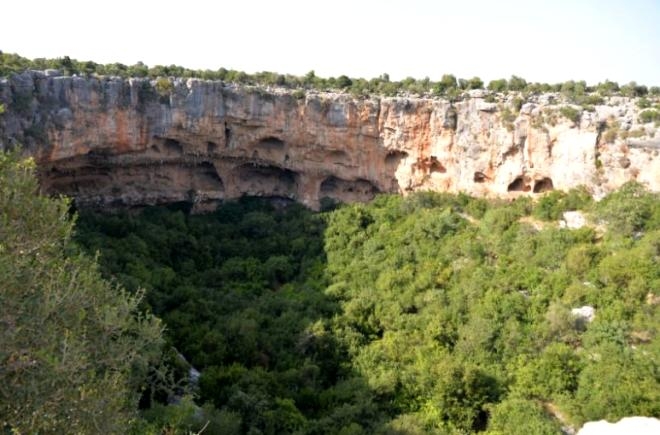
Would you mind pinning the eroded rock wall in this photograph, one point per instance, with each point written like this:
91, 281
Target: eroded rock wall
111, 142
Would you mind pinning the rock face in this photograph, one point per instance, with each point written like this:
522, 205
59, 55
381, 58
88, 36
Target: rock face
625, 426
111, 142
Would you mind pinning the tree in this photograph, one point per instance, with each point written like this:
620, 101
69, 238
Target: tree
517, 83
475, 83
463, 84
632, 90
520, 416
310, 78
67, 65
499, 85
571, 113
621, 382
446, 84
607, 88
74, 349
568, 87
139, 70
344, 82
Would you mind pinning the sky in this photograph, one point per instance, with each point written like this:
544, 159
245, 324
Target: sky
541, 41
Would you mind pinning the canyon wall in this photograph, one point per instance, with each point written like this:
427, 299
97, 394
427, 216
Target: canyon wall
110, 142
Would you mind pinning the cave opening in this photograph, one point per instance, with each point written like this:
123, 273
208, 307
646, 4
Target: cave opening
270, 148
518, 185
393, 158
129, 185
266, 181
341, 190
173, 146
206, 177
227, 135
271, 143
479, 177
436, 166
543, 185
338, 157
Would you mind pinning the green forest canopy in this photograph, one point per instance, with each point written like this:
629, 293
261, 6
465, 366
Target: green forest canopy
433, 313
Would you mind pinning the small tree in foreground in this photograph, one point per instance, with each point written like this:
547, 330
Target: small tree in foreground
74, 349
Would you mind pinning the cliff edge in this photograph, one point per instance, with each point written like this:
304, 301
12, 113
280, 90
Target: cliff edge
113, 142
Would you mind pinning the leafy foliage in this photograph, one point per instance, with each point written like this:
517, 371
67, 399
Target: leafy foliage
571, 113
241, 293
427, 314
649, 115
74, 349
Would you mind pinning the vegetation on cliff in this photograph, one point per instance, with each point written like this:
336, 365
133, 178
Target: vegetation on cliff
578, 92
427, 314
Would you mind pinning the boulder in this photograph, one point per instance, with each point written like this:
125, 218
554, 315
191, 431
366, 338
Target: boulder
625, 426
572, 220
585, 313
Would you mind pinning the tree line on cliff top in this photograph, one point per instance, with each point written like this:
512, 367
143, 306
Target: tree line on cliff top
448, 86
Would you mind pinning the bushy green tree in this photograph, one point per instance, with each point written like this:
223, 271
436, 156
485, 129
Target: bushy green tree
620, 382
344, 82
571, 113
446, 84
517, 83
475, 83
74, 349
499, 85
520, 416
607, 88
630, 209
649, 115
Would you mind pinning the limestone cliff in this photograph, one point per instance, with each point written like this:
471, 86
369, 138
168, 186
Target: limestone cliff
112, 142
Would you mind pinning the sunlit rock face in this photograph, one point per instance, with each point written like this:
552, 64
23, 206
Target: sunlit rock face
110, 142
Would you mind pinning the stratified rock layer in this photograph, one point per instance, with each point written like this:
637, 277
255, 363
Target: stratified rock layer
111, 142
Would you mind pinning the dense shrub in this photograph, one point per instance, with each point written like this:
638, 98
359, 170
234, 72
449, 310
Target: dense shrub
649, 116
571, 113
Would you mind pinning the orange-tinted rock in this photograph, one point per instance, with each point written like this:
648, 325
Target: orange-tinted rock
115, 142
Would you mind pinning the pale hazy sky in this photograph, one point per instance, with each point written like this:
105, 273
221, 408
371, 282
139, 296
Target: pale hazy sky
546, 41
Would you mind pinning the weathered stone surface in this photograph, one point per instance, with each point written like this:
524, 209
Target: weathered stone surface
586, 313
113, 142
573, 220
625, 426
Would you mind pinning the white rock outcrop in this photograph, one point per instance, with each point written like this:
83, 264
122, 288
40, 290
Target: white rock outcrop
572, 220
585, 313
625, 426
